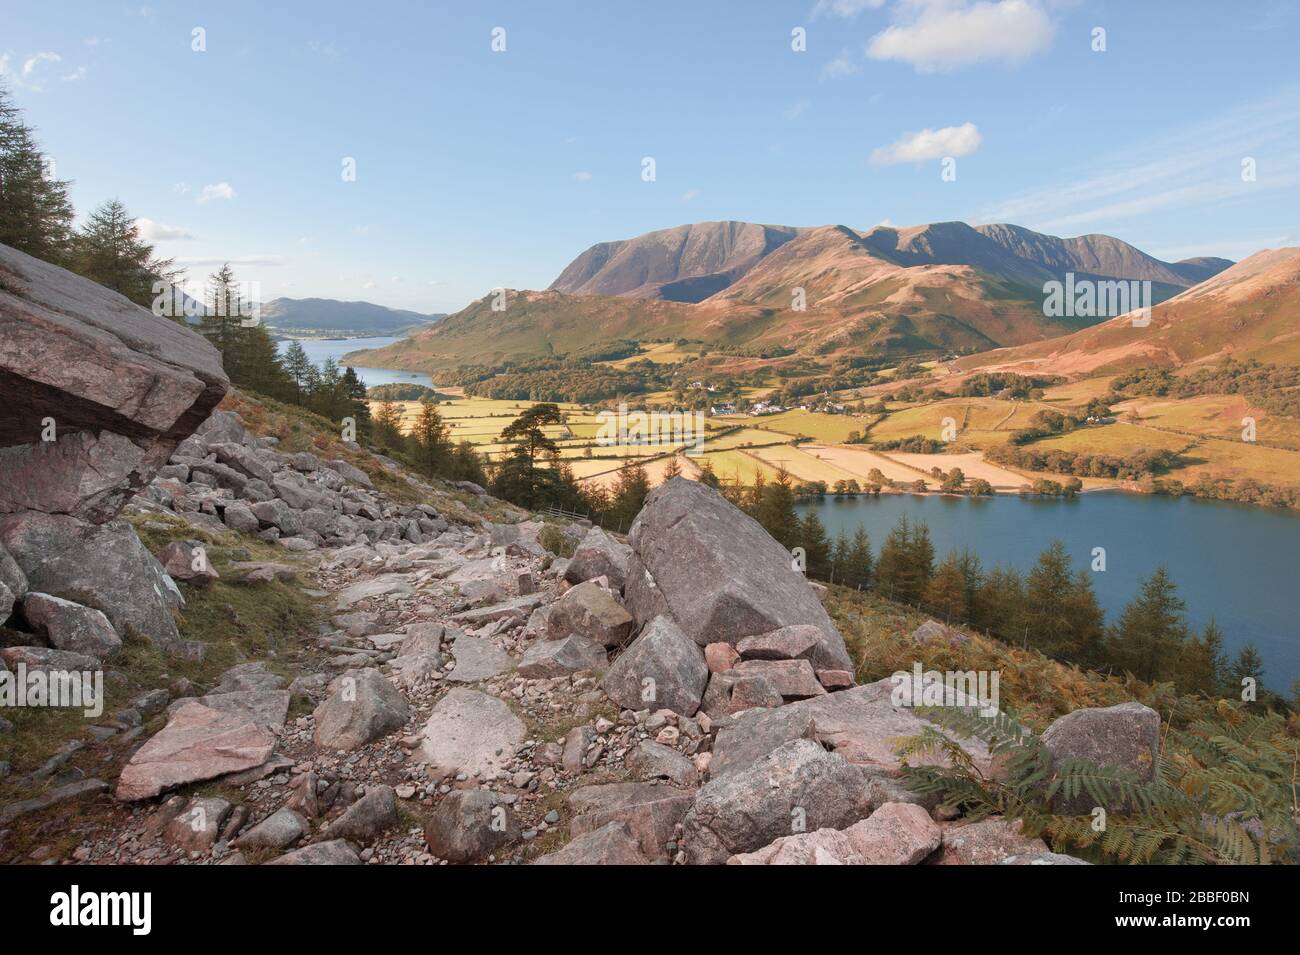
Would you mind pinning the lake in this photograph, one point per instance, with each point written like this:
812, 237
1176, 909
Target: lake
1234, 562
320, 349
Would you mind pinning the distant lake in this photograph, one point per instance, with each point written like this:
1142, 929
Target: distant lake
1234, 562
320, 349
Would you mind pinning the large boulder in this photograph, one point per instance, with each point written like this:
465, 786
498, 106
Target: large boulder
122, 386
662, 669
797, 787
599, 555
362, 706
1126, 736
591, 611
367, 818
103, 566
546, 659
197, 743
650, 810
722, 577
70, 626
864, 725
470, 732
469, 825
611, 844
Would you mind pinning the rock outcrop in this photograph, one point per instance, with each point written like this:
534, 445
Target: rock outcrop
98, 391
712, 568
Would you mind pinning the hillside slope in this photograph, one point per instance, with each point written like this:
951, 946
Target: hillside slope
326, 316
1251, 310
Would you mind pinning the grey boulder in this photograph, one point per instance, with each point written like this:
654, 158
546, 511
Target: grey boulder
662, 669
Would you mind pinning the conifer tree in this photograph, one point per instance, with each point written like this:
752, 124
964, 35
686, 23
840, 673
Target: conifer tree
945, 594
811, 536
860, 559
1248, 665
1151, 632
108, 249
35, 211
297, 366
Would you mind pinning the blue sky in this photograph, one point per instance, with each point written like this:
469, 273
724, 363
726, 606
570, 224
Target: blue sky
477, 169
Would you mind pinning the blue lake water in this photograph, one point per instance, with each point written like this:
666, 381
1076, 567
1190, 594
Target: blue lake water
1236, 563
320, 349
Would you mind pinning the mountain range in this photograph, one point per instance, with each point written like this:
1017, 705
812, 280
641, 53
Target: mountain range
330, 318
944, 287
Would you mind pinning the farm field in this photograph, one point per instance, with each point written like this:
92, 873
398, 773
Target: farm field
660, 353
743, 437
803, 465
1078, 392
1239, 459
981, 422
858, 462
736, 466
1118, 439
1215, 416
808, 424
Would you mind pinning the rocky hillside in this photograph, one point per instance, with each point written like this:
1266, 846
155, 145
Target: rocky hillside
322, 659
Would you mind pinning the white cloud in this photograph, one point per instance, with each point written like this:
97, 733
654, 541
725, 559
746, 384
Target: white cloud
216, 190
930, 144
842, 65
795, 111
690, 194
152, 231
368, 285
845, 8
939, 35
78, 74
582, 176
30, 75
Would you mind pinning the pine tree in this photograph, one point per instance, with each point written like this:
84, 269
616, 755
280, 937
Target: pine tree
859, 574
840, 558
999, 605
774, 510
1202, 667
672, 469
892, 573
297, 366
945, 594
428, 440
35, 211
358, 401
1248, 665
630, 490
218, 324
1151, 632
1061, 610
108, 249
811, 536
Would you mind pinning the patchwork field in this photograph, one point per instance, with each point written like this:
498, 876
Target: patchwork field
803, 464
808, 424
1213, 416
859, 461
